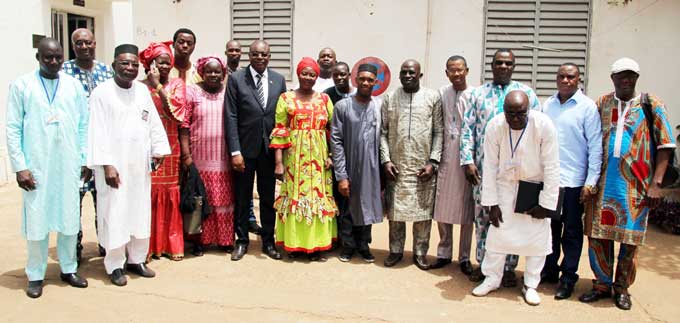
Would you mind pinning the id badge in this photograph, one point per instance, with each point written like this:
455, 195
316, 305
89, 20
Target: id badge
145, 115
512, 166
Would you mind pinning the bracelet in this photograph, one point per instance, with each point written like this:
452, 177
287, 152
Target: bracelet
159, 87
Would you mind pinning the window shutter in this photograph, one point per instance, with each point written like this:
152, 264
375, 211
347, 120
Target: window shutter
543, 34
270, 20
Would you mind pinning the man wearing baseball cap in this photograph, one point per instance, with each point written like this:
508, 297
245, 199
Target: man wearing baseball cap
634, 160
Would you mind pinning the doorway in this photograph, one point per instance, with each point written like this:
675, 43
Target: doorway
64, 24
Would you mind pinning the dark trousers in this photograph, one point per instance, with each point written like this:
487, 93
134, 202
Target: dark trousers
354, 237
79, 246
567, 233
263, 166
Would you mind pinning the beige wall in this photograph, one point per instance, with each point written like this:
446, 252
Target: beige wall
645, 30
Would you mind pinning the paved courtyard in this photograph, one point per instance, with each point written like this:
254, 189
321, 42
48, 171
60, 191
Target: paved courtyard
257, 289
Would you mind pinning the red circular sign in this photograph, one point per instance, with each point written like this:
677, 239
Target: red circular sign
382, 81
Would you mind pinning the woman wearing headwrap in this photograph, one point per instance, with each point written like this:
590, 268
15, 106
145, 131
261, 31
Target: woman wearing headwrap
203, 145
169, 97
305, 221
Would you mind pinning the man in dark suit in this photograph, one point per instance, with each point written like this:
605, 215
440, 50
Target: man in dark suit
250, 104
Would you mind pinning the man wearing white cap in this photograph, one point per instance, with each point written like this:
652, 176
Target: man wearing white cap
630, 183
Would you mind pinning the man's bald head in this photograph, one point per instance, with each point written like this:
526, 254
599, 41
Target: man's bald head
81, 33
327, 59
259, 55
84, 46
50, 56
409, 75
516, 107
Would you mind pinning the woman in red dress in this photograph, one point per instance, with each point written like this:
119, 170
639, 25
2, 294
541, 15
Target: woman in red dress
169, 96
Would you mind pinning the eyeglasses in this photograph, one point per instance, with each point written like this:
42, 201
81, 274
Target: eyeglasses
80, 43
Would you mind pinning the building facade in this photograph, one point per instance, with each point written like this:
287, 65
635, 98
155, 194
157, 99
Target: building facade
543, 33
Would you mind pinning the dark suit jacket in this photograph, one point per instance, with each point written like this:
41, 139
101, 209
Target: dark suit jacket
247, 125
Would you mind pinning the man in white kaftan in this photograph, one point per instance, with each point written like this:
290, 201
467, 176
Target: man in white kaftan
520, 145
126, 135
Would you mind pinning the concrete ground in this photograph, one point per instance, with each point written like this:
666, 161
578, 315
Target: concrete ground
258, 289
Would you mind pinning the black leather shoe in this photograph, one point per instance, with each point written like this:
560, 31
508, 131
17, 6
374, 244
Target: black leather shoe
254, 228
439, 263
476, 275
74, 280
239, 252
34, 289
346, 254
421, 262
594, 295
367, 256
393, 259
563, 291
509, 279
141, 270
623, 301
466, 268
271, 251
118, 277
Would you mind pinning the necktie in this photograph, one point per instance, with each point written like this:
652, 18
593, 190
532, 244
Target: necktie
260, 90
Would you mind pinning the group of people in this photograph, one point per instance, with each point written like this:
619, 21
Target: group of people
344, 158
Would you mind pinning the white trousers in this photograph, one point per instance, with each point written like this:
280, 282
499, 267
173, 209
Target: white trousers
494, 263
137, 250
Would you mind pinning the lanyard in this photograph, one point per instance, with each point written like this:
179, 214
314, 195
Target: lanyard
50, 99
513, 149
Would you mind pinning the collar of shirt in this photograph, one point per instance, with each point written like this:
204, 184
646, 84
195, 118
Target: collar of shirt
254, 73
575, 99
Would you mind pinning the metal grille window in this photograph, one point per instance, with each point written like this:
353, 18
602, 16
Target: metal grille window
542, 34
270, 20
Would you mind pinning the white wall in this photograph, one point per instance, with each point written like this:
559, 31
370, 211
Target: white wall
158, 20
645, 30
393, 30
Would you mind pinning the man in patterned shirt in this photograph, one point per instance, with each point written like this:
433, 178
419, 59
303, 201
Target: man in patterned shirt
486, 102
90, 73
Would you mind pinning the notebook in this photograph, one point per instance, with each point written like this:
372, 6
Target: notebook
527, 198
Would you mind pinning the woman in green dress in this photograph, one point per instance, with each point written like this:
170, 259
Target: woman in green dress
305, 209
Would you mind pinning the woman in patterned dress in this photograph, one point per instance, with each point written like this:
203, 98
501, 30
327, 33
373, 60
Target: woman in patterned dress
168, 95
305, 221
203, 144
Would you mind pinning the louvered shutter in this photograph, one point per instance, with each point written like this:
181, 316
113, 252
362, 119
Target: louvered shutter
542, 33
271, 20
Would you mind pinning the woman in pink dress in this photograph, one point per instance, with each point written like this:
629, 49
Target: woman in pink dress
203, 144
167, 236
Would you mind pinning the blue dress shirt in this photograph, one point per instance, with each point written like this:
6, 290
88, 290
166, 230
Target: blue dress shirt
580, 135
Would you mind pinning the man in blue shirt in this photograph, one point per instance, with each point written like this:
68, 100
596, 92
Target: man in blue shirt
580, 138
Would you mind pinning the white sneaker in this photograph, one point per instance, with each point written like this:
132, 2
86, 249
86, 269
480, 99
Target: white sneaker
531, 296
483, 289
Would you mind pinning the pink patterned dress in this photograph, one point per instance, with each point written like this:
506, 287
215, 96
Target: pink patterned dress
205, 121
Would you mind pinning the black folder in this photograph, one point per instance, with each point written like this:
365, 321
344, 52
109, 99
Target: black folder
527, 198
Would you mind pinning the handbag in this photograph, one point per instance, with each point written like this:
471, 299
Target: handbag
192, 221
671, 175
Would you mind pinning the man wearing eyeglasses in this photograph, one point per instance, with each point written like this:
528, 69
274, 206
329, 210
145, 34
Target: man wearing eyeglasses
486, 102
520, 146
90, 73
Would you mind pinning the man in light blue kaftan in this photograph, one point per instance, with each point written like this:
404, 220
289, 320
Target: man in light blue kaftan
47, 123
486, 102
